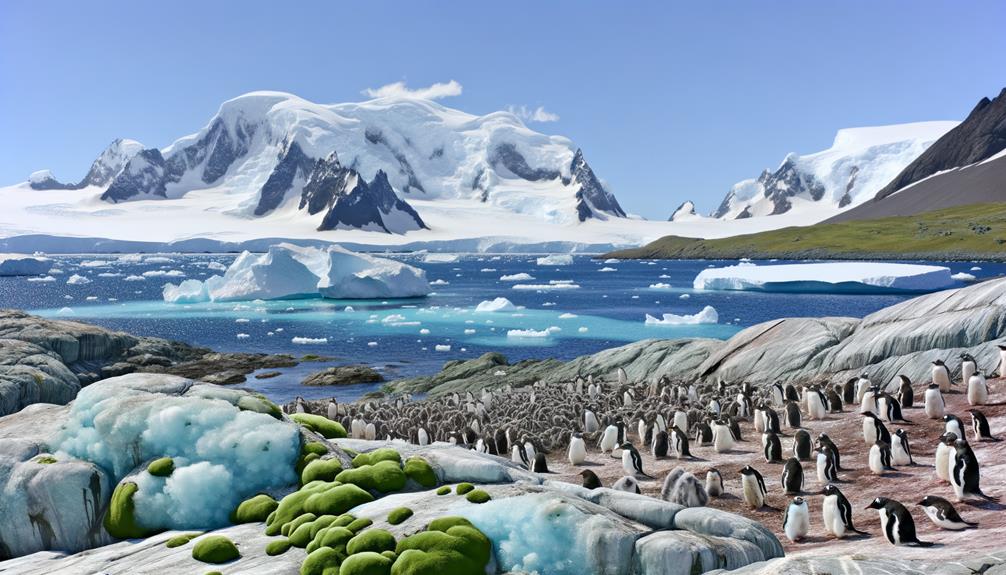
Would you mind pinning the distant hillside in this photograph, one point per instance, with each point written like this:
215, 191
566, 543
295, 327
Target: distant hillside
975, 232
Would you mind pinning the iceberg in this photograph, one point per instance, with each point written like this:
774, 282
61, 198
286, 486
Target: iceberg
287, 271
521, 277
498, 304
440, 258
707, 315
556, 260
837, 277
964, 277
24, 265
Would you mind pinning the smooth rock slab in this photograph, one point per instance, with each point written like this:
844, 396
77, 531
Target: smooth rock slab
687, 553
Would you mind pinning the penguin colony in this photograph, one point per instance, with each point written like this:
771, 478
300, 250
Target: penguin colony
594, 423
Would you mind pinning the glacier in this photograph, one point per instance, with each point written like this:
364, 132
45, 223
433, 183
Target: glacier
833, 277
24, 265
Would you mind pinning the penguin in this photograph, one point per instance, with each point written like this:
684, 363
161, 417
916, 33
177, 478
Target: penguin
627, 484
590, 479
817, 405
723, 439
965, 476
969, 366
942, 513
370, 432
891, 408
796, 520
683, 488
519, 456
753, 487
1002, 360
660, 423
978, 389
422, 437
772, 447
863, 384
539, 465
880, 458
703, 434
502, 442
643, 431
981, 426
802, 445
759, 418
901, 451
590, 423
530, 452
824, 441
632, 463
792, 476
849, 390
941, 376
935, 405
792, 414
609, 440
301, 406
791, 393
735, 428
776, 394
679, 442
772, 420
659, 447
942, 459
714, 483
954, 425
333, 410
896, 522
868, 403
837, 512
834, 401
826, 469
874, 429
357, 428
681, 420
905, 392
577, 449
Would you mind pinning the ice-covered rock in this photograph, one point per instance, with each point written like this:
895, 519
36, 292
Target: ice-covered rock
556, 260
841, 277
707, 315
24, 265
498, 304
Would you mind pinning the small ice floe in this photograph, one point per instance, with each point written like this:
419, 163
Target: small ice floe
684, 296
831, 277
582, 329
440, 283
158, 260
242, 320
548, 304
424, 331
976, 268
964, 277
660, 286
43, 279
496, 305
555, 260
532, 332
65, 311
307, 340
77, 280
707, 315
607, 269
441, 347
663, 276
371, 344
95, 264
216, 266
567, 315
487, 270
611, 261
440, 258
92, 298
348, 309
134, 278
393, 318
164, 274
551, 285
243, 336
279, 329
469, 331
109, 275
521, 277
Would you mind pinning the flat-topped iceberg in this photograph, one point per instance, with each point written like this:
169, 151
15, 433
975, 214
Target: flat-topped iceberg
287, 271
707, 315
835, 277
555, 260
24, 265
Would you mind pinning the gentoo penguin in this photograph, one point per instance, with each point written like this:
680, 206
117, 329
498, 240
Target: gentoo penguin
753, 487
954, 425
627, 484
422, 437
683, 488
837, 512
660, 422
660, 446
772, 447
502, 442
880, 458
590, 424
891, 408
577, 449
632, 463
714, 483
934, 402
802, 445
791, 393
623, 378
824, 441
301, 407
759, 418
723, 439
944, 456
590, 479
868, 403
817, 405
679, 442
539, 465
357, 428
703, 434
834, 401
609, 439
965, 477
792, 414
644, 432
735, 428
370, 432
849, 390
772, 420
743, 403
796, 520
981, 426
969, 367
776, 394
680, 420
978, 390
826, 468
627, 398
905, 392
863, 384
792, 476
941, 376
901, 451
896, 522
943, 514
874, 429
1002, 360
519, 456
529, 451
333, 410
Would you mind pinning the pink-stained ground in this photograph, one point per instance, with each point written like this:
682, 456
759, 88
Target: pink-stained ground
907, 484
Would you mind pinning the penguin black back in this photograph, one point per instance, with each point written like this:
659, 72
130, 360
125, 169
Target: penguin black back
590, 479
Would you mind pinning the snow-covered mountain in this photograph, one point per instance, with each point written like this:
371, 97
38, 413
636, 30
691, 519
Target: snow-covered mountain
685, 212
273, 155
859, 163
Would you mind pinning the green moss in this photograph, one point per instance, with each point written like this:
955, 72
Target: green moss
259, 404
320, 469
420, 471
399, 515
293, 505
179, 540
376, 540
366, 563
301, 536
390, 555
463, 488
120, 519
290, 527
444, 490
352, 454
461, 550
477, 496
277, 547
445, 523
384, 477
321, 425
213, 573
337, 500
360, 524
253, 509
162, 467
376, 456
45, 460
316, 447
343, 520
321, 523
323, 561
215, 549
334, 537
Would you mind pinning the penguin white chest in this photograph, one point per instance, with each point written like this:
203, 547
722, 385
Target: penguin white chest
723, 440
577, 451
869, 431
876, 462
869, 403
681, 420
941, 462
815, 407
942, 378
940, 521
892, 534
822, 468
797, 521
627, 464
759, 420
934, 404
898, 454
609, 439
978, 391
753, 495
832, 517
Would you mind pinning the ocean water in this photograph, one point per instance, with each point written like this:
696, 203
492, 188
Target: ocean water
404, 338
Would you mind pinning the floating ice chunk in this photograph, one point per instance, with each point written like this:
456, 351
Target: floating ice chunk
664, 276
424, 331
847, 277
556, 260
189, 291
371, 344
440, 283
567, 316
612, 261
348, 309
660, 286
707, 315
77, 280
552, 285
134, 279
360, 276
216, 266
684, 296
243, 336
164, 274
442, 348
582, 329
487, 270
521, 277
440, 258
976, 268
532, 332
308, 340
964, 277
393, 318
607, 269
43, 279
496, 305
66, 311
158, 260
95, 264
109, 275
24, 265
469, 331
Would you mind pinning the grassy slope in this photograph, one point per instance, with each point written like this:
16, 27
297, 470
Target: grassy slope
961, 233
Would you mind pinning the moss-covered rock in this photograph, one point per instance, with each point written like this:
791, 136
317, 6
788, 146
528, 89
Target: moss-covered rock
315, 447
445, 523
477, 496
376, 540
376, 456
259, 404
322, 561
292, 526
215, 549
301, 536
162, 467
366, 563
337, 499
120, 518
321, 425
360, 524
292, 506
390, 555
461, 550
45, 459
384, 477
254, 509
321, 523
334, 537
444, 490
277, 547
463, 488
420, 471
179, 540
399, 515
320, 470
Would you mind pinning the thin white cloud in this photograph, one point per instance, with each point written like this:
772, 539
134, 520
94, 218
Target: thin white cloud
400, 90
539, 114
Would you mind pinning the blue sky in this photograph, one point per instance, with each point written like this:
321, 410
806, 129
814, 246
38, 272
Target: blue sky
669, 100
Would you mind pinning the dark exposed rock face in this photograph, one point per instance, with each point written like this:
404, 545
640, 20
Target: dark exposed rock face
377, 137
103, 170
293, 163
146, 173
344, 375
592, 195
780, 186
980, 136
506, 155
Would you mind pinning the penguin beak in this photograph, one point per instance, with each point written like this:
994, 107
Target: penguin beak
921, 503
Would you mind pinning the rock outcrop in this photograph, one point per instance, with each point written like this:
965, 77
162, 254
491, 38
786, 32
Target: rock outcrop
989, 564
